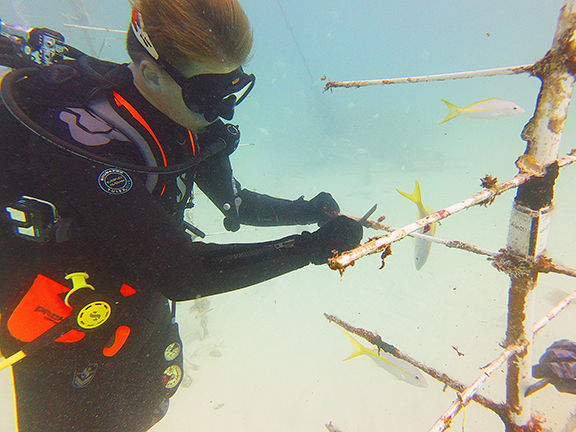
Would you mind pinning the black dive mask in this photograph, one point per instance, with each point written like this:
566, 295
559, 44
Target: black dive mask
214, 95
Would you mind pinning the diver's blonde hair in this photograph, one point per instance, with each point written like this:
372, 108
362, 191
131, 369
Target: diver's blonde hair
210, 31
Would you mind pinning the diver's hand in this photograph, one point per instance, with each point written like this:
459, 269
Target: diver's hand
322, 205
340, 234
558, 366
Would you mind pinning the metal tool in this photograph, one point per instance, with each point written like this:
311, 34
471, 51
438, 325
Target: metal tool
364, 219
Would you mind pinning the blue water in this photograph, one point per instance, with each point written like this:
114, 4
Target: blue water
280, 367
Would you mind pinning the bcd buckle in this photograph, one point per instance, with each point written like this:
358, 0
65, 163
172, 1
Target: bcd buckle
32, 218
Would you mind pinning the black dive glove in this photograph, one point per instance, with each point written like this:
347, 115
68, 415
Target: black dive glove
264, 210
340, 234
557, 366
322, 205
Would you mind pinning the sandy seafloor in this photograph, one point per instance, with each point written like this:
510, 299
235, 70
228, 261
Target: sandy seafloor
270, 360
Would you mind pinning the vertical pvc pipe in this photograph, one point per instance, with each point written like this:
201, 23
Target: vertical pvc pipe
532, 210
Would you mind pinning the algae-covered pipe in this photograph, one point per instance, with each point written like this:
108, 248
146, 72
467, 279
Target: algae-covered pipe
533, 205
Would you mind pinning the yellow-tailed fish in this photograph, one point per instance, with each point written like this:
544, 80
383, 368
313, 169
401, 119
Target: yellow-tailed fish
399, 368
421, 246
489, 109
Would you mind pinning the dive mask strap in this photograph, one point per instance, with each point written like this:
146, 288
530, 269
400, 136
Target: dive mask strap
137, 25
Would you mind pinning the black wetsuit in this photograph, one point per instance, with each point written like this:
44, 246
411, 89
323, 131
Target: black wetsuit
121, 228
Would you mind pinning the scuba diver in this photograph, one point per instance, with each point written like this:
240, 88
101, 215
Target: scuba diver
98, 164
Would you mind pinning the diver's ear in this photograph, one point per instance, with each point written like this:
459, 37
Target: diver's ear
151, 74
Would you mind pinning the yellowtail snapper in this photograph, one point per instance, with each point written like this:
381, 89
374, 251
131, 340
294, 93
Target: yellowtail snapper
489, 109
421, 246
398, 368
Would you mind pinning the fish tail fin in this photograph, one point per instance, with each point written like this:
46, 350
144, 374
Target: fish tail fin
359, 349
454, 111
415, 197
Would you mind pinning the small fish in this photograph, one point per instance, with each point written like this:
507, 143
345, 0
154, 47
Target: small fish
421, 246
192, 336
189, 365
400, 369
489, 109
264, 132
212, 350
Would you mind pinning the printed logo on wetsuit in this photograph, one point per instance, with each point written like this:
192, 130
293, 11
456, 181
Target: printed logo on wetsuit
114, 181
84, 377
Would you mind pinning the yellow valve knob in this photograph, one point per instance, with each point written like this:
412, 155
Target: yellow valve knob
78, 282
